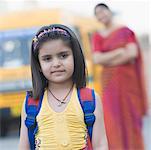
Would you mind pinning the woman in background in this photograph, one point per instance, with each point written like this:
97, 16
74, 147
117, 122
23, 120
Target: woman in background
124, 102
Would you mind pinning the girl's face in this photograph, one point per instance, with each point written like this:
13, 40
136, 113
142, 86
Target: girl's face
103, 15
56, 61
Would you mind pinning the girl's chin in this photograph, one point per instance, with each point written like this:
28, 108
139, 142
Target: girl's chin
58, 80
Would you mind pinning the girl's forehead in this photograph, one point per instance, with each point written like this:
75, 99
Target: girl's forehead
54, 46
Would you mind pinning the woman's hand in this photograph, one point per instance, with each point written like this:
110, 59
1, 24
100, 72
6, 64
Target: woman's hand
117, 56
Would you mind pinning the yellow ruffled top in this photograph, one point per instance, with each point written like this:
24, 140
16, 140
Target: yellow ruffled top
64, 130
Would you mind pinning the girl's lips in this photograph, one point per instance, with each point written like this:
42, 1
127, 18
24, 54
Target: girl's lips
58, 71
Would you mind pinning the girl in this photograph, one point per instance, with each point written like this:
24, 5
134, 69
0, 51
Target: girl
58, 70
124, 101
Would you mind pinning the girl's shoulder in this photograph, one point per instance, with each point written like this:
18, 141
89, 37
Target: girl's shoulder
88, 93
31, 101
29, 93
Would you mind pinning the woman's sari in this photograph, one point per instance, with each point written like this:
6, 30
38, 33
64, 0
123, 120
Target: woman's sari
123, 98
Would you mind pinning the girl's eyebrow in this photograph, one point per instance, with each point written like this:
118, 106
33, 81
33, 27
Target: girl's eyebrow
49, 55
62, 52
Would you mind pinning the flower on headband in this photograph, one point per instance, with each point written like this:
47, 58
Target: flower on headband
42, 33
60, 30
35, 39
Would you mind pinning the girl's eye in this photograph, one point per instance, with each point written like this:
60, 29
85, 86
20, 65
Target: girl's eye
62, 56
47, 58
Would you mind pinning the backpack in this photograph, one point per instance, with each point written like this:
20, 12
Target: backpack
86, 98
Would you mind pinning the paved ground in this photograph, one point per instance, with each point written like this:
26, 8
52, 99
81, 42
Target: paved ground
147, 132
9, 143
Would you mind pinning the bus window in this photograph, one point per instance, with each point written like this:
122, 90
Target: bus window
11, 54
14, 48
26, 48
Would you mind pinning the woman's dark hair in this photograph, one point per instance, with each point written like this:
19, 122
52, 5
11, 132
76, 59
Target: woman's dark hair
52, 32
101, 5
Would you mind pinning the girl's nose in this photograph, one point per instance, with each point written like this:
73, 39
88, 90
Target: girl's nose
56, 62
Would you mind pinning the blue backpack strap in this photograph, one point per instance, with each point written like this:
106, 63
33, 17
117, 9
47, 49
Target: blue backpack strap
32, 108
87, 100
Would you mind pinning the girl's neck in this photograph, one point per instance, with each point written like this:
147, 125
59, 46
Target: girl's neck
60, 86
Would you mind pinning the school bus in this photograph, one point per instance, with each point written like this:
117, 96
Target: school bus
16, 32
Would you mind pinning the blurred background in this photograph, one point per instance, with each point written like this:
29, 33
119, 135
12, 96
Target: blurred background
20, 20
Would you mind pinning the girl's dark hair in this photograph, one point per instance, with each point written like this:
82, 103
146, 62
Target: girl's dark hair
39, 82
101, 5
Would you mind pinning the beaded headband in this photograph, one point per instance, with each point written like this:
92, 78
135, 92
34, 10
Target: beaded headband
36, 38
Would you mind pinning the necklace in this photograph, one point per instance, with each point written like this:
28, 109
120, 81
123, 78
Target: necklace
61, 101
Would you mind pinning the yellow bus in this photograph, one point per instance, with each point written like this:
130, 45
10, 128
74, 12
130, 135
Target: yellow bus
16, 32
